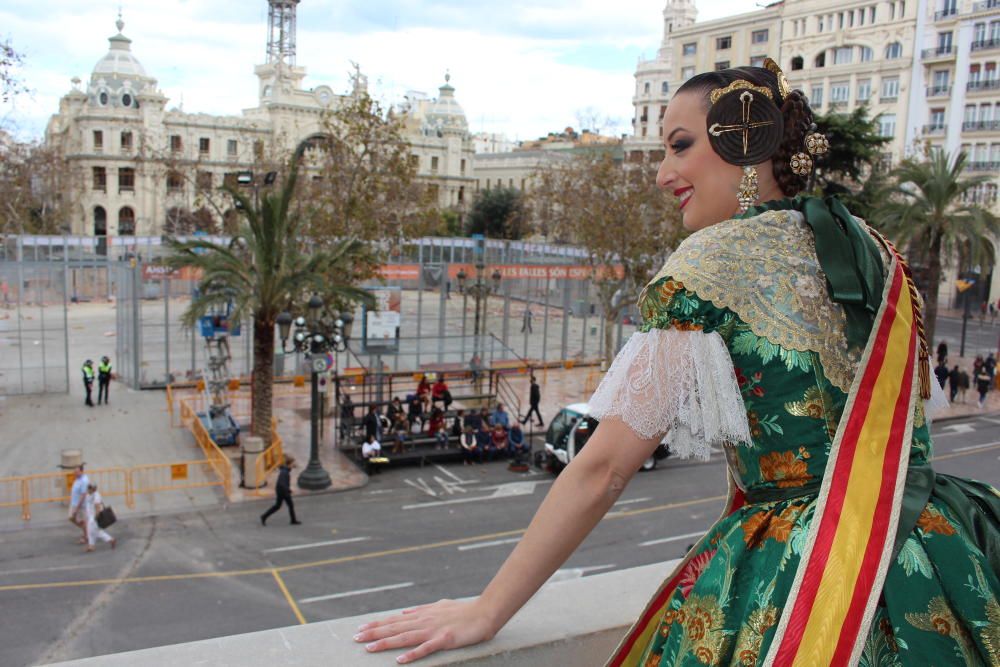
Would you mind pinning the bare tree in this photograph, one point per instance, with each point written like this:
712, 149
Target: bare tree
36, 189
615, 211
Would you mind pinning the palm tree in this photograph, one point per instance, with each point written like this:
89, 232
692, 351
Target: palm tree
925, 206
263, 271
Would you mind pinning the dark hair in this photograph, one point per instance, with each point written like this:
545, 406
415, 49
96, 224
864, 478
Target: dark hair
795, 111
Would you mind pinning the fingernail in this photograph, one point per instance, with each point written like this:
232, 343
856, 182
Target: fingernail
401, 659
363, 627
357, 637
370, 647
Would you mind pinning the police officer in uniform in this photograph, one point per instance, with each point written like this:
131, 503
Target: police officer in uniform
103, 380
88, 381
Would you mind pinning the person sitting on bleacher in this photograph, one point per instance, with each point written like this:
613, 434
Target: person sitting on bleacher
372, 449
458, 425
484, 439
497, 448
518, 447
472, 420
424, 392
471, 451
395, 407
400, 432
416, 413
440, 392
436, 427
500, 417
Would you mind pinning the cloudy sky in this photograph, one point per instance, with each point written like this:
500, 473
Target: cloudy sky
519, 68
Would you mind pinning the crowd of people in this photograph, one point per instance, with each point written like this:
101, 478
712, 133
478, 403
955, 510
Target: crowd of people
957, 380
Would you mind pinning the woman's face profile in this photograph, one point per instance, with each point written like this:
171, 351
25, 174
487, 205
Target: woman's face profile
703, 182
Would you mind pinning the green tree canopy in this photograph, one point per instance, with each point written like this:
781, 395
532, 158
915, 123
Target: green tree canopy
269, 267
924, 209
498, 213
851, 169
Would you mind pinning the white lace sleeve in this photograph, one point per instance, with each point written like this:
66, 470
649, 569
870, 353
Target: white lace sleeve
677, 383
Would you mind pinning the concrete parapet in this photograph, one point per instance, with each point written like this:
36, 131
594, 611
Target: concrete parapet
576, 622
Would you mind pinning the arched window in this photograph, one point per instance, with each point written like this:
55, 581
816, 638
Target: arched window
664, 88
797, 62
100, 221
893, 50
126, 221
820, 59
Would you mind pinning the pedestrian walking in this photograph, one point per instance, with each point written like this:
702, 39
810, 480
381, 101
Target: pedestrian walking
942, 351
534, 398
283, 492
526, 322
963, 385
953, 376
991, 365
941, 373
983, 381
103, 379
88, 382
77, 494
93, 504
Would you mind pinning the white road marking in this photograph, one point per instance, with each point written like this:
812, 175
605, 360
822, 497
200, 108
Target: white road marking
675, 538
379, 492
575, 572
458, 480
421, 485
362, 591
508, 490
313, 545
47, 569
632, 501
957, 429
990, 420
449, 487
492, 543
969, 448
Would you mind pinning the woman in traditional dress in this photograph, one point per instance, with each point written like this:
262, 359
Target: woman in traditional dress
788, 332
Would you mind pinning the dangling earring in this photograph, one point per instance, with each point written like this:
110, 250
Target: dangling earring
748, 193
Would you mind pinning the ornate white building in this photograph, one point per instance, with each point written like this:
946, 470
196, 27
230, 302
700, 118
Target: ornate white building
128, 150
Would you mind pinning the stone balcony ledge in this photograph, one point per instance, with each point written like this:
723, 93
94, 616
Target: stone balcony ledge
577, 622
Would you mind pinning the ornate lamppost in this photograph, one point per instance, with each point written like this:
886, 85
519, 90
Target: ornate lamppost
316, 336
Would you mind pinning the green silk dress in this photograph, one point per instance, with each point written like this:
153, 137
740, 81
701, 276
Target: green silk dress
756, 283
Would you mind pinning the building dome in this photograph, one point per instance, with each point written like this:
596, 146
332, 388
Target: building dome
118, 76
445, 113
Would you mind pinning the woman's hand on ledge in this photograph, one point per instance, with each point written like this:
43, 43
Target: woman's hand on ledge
446, 624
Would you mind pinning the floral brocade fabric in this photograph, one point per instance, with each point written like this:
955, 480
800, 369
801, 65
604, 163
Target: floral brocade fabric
940, 599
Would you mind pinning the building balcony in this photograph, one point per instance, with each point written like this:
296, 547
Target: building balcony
982, 85
938, 53
946, 14
887, 99
838, 105
938, 91
983, 44
934, 128
981, 126
985, 6
982, 166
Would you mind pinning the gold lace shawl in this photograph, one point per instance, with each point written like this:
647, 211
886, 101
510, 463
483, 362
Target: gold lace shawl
765, 270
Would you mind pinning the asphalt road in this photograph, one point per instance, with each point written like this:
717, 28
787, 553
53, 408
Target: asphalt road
980, 338
411, 536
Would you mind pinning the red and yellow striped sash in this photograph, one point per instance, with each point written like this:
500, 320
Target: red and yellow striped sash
840, 575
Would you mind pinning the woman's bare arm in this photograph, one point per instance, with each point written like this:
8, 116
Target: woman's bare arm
580, 497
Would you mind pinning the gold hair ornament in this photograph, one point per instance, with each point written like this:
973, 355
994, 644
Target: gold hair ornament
801, 164
783, 86
740, 84
746, 98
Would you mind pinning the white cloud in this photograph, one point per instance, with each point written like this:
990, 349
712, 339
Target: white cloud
524, 68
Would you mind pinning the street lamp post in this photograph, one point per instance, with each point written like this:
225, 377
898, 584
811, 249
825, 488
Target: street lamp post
480, 291
317, 336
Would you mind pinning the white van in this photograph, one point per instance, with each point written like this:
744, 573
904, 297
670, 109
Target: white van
569, 431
